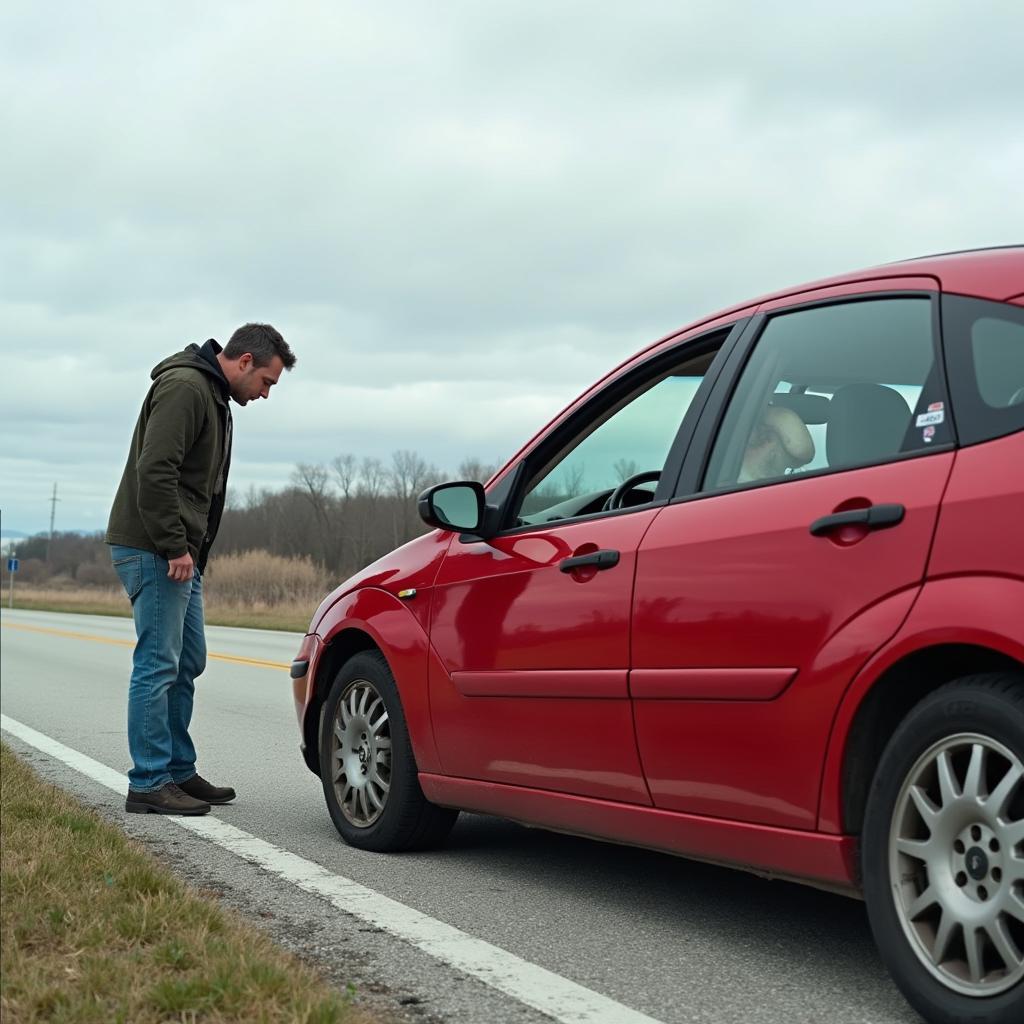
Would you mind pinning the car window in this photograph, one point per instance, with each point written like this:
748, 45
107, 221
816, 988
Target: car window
817, 430
985, 348
832, 387
617, 442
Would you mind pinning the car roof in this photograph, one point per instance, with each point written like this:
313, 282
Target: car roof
992, 273
996, 272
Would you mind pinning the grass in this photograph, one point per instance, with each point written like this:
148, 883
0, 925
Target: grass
291, 616
93, 930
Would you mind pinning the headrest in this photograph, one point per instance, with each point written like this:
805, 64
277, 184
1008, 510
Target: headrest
810, 408
866, 423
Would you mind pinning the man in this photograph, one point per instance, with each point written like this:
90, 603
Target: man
779, 442
162, 525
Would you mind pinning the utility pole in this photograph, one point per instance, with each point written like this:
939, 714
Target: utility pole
53, 513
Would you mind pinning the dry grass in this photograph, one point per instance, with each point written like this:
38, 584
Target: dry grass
87, 601
293, 615
93, 930
254, 589
258, 578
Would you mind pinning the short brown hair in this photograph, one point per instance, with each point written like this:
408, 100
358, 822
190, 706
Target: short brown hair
263, 342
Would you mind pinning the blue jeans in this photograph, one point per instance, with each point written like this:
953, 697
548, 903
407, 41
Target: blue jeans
169, 653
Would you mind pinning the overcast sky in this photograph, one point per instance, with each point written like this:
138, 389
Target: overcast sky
458, 214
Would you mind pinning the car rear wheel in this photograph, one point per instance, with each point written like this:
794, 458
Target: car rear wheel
367, 765
943, 853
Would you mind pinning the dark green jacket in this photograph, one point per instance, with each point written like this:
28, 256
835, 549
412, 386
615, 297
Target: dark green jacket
171, 495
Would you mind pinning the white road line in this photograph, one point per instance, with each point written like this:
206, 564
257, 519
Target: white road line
527, 983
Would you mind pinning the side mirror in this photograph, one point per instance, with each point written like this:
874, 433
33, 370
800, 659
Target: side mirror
456, 506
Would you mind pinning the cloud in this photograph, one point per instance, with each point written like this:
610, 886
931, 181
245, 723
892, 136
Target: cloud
459, 216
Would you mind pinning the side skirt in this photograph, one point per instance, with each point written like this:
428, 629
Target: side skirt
813, 858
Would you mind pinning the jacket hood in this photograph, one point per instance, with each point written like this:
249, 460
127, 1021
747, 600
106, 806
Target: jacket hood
193, 357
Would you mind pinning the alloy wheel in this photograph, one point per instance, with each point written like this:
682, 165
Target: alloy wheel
361, 754
956, 863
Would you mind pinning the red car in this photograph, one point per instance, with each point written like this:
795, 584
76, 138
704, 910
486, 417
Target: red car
756, 597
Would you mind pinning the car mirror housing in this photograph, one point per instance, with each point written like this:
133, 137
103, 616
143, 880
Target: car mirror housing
454, 506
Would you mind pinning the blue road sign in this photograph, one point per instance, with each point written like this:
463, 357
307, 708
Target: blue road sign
12, 565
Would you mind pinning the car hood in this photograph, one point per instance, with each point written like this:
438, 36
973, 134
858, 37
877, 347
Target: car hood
412, 566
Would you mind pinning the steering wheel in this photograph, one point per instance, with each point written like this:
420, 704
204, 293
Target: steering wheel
618, 496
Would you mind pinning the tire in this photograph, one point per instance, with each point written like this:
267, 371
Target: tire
367, 765
943, 853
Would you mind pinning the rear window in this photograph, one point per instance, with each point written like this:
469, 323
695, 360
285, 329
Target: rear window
830, 387
984, 344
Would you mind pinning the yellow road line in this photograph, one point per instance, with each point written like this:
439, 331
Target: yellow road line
256, 663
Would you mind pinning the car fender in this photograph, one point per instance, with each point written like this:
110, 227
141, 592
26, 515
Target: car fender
411, 567
395, 629
986, 611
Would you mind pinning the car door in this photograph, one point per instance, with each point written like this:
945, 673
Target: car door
531, 629
794, 546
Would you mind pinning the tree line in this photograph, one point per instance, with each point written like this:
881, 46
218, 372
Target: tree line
341, 515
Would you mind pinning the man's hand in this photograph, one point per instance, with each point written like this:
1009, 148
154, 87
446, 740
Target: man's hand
181, 569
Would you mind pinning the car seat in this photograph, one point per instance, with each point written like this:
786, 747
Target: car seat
866, 423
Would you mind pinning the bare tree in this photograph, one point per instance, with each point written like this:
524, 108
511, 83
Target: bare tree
477, 469
252, 500
372, 477
346, 471
572, 480
409, 475
368, 538
313, 482
624, 469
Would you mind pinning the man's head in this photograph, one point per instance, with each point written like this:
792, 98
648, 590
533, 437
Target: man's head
777, 444
253, 360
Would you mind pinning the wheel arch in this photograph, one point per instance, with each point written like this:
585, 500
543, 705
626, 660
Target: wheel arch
341, 647
881, 708
373, 619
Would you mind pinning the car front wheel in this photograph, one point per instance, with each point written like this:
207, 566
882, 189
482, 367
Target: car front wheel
367, 765
943, 853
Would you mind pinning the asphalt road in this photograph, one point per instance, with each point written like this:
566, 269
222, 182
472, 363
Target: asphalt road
675, 940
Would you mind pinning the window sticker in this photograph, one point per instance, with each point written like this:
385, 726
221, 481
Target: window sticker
928, 419
928, 434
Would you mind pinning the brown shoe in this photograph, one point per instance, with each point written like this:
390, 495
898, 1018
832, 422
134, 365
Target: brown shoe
199, 788
169, 799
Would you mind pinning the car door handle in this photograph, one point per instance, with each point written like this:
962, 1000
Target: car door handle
605, 559
875, 517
